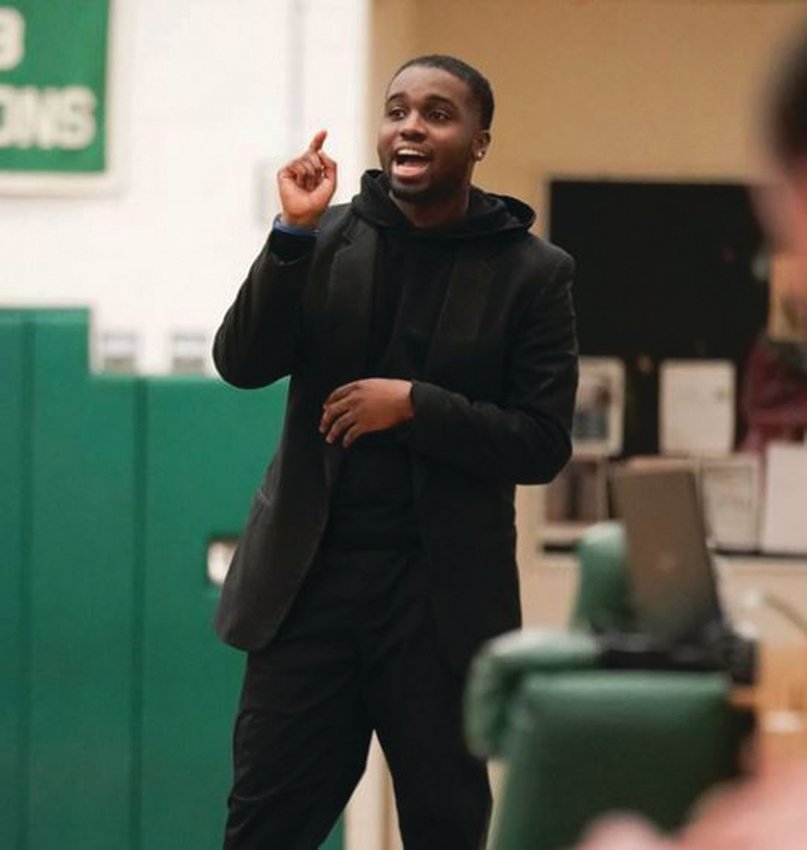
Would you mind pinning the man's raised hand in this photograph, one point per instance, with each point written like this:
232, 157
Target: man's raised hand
306, 185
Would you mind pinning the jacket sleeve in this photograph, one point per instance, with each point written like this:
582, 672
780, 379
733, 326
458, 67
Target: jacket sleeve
259, 338
526, 440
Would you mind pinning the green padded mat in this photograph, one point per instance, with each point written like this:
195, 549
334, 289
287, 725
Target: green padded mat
117, 697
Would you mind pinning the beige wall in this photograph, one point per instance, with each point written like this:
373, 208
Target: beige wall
393, 40
606, 87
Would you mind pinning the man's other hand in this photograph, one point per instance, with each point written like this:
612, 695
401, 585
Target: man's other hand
373, 404
306, 185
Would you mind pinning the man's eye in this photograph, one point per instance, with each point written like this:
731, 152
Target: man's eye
395, 113
439, 115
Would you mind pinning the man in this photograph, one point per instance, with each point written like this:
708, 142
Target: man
431, 348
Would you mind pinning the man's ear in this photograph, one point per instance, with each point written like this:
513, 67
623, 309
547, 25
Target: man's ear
481, 144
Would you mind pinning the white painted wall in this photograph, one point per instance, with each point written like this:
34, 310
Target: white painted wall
213, 91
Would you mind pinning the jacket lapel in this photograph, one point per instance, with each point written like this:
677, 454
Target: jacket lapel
349, 304
458, 327
349, 308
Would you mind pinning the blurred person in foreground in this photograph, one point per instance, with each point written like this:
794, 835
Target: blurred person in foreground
765, 813
785, 212
431, 347
769, 810
774, 396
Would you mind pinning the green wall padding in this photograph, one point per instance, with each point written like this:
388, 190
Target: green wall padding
81, 574
14, 414
206, 447
117, 697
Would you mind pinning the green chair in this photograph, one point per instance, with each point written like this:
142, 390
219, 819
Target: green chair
603, 595
579, 741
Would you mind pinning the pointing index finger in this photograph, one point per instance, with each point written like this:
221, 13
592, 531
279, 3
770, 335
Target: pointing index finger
318, 141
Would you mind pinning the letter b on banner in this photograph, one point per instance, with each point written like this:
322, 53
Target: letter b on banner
12, 38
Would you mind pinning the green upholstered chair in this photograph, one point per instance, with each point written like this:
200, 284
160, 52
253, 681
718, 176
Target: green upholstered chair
579, 741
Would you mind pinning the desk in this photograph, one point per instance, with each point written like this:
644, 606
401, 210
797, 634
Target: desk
779, 700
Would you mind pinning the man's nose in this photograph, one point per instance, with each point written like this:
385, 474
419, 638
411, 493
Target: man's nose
413, 126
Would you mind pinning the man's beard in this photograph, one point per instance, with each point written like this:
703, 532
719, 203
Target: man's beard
426, 195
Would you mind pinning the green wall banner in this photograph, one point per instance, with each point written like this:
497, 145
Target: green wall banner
54, 89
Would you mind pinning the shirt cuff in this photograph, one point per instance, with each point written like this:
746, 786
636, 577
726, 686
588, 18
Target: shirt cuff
290, 243
293, 230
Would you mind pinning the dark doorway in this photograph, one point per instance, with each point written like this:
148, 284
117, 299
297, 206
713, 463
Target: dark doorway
664, 270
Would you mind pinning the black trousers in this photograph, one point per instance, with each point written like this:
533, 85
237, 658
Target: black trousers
357, 653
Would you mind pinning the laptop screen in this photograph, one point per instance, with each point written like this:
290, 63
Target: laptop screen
670, 570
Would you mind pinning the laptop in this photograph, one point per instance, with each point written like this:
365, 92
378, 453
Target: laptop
679, 621
670, 570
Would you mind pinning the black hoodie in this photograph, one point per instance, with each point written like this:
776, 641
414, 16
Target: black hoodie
372, 504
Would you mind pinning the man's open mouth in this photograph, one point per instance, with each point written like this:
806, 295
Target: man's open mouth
410, 162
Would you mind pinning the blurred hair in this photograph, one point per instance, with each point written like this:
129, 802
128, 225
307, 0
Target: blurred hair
787, 104
480, 88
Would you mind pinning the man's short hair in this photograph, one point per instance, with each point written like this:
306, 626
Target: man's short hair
787, 119
480, 88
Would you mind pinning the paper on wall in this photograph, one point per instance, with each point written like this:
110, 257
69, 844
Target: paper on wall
696, 413
730, 489
784, 525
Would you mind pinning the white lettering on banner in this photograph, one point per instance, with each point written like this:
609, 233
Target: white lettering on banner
12, 38
47, 118
78, 117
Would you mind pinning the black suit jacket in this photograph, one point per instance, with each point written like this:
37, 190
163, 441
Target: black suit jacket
494, 409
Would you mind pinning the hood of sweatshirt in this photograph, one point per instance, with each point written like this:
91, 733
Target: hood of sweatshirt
488, 214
